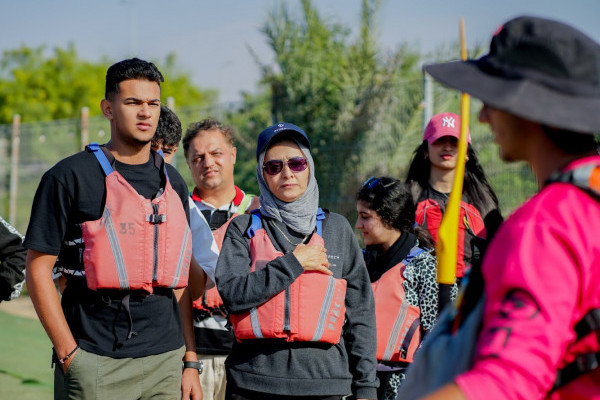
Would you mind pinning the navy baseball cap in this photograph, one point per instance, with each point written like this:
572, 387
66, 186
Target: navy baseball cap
279, 129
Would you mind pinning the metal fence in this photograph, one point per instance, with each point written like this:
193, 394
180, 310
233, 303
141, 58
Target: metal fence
385, 150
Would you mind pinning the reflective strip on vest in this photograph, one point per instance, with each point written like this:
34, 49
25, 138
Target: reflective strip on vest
324, 309
391, 344
182, 257
255, 323
116, 249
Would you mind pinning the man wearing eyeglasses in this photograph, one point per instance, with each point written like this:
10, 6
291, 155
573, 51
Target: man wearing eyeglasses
210, 153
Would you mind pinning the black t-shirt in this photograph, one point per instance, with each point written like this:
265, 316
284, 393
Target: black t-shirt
70, 193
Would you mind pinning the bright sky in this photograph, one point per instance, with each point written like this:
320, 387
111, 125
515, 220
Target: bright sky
211, 37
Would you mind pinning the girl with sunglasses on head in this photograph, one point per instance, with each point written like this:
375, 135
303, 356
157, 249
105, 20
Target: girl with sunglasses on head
292, 277
431, 175
402, 271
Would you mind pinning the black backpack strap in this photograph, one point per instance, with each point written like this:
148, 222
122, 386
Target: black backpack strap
584, 363
588, 324
585, 177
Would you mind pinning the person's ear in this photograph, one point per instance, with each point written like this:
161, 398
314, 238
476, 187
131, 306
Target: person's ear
106, 108
234, 153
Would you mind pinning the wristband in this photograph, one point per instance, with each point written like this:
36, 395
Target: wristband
65, 358
198, 365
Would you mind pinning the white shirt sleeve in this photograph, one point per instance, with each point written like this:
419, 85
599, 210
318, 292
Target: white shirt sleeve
204, 246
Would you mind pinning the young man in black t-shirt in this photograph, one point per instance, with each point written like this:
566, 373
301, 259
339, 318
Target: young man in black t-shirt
112, 343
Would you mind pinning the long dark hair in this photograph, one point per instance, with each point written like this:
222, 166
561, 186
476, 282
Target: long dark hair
476, 187
393, 203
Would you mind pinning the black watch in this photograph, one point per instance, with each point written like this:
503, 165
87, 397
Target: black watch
199, 365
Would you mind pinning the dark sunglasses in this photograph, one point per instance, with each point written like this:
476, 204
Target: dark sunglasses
296, 164
372, 182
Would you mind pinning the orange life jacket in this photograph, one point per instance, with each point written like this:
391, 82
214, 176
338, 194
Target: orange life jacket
138, 243
398, 323
211, 301
429, 214
312, 308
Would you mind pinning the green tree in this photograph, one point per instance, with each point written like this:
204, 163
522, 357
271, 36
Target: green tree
44, 87
339, 89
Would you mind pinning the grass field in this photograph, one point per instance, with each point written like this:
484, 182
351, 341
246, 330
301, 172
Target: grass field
25, 350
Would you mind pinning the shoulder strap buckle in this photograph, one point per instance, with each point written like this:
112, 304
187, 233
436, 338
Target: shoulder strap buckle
589, 323
256, 223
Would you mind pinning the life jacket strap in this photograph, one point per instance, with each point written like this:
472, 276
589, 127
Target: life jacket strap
586, 177
584, 363
256, 222
588, 324
408, 338
101, 157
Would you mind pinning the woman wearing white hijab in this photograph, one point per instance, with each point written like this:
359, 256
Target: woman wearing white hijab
286, 274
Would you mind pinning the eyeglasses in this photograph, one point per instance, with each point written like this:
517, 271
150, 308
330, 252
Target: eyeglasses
296, 164
372, 182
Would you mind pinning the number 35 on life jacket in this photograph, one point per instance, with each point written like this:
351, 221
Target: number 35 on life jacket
429, 214
138, 243
312, 308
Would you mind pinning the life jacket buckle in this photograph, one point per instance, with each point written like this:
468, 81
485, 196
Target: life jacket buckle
403, 352
587, 362
592, 319
156, 218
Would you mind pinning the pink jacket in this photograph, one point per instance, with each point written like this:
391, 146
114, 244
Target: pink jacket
542, 274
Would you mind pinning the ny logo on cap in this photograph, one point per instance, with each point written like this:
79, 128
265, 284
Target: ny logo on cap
448, 122
280, 125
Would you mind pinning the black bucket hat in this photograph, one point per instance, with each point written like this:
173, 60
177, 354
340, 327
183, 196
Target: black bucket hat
538, 69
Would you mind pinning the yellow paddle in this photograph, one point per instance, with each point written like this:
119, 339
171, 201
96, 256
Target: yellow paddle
447, 245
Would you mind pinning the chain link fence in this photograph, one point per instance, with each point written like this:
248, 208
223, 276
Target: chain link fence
385, 149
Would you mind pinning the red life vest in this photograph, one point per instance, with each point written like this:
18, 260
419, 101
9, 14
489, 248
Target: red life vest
311, 309
211, 300
398, 323
138, 243
429, 214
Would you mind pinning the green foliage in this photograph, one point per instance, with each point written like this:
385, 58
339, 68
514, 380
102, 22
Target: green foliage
43, 88
338, 89
249, 120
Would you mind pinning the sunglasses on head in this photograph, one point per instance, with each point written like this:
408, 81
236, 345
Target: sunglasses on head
296, 164
372, 182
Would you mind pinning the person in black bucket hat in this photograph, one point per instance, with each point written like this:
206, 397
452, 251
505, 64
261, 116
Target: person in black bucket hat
528, 323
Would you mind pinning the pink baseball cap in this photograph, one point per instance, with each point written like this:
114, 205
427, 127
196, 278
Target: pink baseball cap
444, 124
